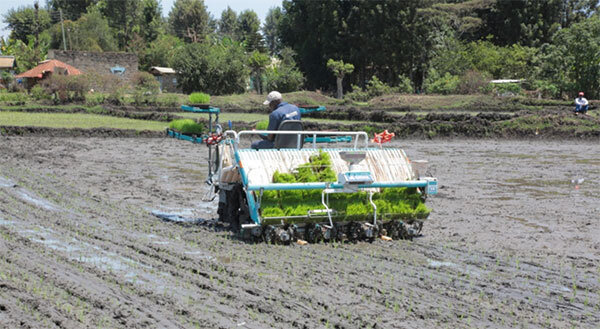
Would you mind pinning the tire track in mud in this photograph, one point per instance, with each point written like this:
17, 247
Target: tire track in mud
316, 263
217, 281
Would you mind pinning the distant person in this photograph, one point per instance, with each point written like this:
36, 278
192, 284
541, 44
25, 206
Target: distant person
581, 104
281, 111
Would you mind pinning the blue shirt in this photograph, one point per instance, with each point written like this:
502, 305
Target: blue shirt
283, 112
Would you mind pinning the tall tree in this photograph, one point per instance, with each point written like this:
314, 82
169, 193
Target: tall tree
390, 37
151, 23
573, 60
228, 22
271, 30
90, 32
123, 18
26, 21
257, 63
247, 32
71, 10
189, 20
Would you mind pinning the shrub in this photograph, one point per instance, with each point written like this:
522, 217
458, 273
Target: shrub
283, 78
199, 98
78, 86
546, 89
116, 95
374, 88
38, 93
146, 88
186, 126
13, 98
472, 82
507, 88
404, 85
66, 88
444, 85
168, 100
93, 99
214, 67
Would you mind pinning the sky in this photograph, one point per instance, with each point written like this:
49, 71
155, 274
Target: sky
215, 7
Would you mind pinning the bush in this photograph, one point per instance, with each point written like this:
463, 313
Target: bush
375, 87
13, 98
168, 100
546, 89
507, 88
93, 99
444, 85
405, 85
217, 68
472, 82
66, 88
199, 98
116, 95
283, 78
186, 126
146, 88
38, 93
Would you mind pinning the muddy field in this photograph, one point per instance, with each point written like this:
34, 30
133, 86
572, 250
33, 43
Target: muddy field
513, 241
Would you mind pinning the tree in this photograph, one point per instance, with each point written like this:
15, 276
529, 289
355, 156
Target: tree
90, 32
151, 23
27, 55
189, 20
339, 69
257, 63
71, 10
123, 18
218, 68
160, 52
247, 32
284, 76
26, 21
271, 30
573, 60
390, 38
228, 22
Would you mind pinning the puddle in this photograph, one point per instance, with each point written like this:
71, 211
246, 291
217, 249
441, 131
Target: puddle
173, 217
5, 222
36, 201
79, 251
437, 264
5, 182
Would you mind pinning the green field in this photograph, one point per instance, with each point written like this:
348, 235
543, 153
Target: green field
76, 120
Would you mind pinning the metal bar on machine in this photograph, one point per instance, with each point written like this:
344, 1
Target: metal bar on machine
321, 186
187, 108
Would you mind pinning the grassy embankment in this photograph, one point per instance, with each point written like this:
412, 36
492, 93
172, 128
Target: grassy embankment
409, 115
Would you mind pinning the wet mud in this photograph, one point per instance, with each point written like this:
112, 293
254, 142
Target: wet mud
513, 241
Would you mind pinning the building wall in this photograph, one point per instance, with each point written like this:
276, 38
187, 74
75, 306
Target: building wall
102, 63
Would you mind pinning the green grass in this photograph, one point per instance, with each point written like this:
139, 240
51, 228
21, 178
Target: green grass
76, 120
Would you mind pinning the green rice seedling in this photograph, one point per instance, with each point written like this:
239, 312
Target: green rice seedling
186, 126
199, 98
262, 125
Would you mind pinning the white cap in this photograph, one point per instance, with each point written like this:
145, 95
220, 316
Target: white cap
273, 96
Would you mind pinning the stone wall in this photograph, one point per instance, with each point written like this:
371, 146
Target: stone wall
121, 64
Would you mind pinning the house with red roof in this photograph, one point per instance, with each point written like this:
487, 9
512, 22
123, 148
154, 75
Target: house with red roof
46, 69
